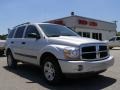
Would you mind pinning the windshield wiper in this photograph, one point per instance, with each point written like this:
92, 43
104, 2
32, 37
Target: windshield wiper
54, 35
67, 35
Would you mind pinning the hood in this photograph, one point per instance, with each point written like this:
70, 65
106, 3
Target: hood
71, 40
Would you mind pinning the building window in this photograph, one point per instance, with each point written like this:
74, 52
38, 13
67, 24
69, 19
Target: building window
97, 36
100, 36
86, 34
80, 33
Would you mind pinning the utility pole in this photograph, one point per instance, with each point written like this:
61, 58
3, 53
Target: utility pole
116, 25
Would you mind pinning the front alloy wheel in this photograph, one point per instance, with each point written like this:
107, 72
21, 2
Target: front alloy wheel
49, 71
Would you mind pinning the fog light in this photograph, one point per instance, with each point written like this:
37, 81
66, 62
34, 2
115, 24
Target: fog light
80, 67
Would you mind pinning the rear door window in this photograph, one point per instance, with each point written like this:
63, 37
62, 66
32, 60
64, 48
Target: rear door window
19, 32
112, 39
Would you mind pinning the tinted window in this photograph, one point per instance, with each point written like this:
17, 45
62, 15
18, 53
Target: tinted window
118, 38
112, 39
19, 32
11, 33
31, 29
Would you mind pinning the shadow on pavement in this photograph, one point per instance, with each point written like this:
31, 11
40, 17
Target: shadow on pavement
33, 74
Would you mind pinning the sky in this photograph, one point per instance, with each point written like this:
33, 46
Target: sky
14, 12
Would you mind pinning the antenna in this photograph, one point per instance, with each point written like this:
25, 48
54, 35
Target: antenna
115, 21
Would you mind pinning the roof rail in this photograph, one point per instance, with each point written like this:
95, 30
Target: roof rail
22, 24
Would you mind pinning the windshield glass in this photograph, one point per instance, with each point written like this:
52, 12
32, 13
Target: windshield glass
56, 30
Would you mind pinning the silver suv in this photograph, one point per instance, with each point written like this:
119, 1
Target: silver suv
114, 42
57, 50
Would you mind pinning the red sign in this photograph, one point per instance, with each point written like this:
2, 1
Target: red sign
59, 22
92, 23
85, 22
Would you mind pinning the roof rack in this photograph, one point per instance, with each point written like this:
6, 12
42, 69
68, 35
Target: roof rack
22, 24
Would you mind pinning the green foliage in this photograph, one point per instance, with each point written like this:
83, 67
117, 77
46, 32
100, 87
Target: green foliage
118, 33
3, 37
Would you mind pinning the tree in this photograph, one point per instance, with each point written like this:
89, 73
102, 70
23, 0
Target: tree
3, 37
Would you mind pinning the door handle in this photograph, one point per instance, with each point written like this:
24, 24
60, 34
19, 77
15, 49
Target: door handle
12, 42
23, 42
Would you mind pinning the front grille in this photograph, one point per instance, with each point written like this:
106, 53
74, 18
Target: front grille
93, 51
89, 56
88, 49
102, 48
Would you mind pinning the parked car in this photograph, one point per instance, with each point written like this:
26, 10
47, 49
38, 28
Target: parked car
2, 46
114, 42
57, 50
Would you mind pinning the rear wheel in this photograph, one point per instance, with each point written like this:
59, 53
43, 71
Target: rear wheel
11, 62
51, 70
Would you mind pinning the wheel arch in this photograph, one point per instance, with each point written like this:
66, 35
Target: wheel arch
50, 55
46, 54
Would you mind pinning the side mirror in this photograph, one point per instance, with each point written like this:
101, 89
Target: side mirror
33, 35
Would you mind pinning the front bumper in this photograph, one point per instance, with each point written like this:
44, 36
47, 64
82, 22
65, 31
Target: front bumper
74, 67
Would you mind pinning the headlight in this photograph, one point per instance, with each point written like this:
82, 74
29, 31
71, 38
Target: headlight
71, 53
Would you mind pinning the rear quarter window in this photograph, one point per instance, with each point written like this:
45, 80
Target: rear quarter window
10, 35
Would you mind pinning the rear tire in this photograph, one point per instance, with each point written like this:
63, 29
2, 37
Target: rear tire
51, 70
11, 62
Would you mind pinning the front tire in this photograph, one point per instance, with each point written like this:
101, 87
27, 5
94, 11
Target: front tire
11, 62
51, 70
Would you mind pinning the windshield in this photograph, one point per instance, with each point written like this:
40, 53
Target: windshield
56, 30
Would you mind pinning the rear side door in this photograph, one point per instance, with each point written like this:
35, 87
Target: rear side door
118, 41
17, 42
112, 42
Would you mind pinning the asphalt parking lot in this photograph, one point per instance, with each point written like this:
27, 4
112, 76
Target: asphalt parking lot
27, 77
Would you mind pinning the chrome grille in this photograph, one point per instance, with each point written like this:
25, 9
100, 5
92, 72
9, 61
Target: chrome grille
93, 51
